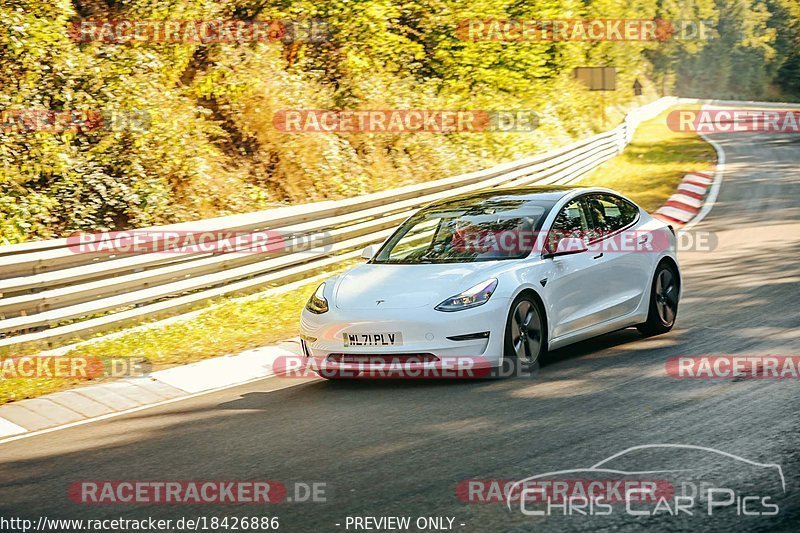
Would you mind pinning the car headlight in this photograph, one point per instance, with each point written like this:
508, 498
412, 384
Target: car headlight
472, 297
317, 304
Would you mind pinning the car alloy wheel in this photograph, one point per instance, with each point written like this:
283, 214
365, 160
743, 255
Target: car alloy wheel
666, 296
663, 301
526, 331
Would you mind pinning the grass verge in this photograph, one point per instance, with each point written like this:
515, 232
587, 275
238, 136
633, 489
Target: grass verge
650, 168
230, 326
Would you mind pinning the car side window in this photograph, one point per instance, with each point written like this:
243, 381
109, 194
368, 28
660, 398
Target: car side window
571, 221
610, 213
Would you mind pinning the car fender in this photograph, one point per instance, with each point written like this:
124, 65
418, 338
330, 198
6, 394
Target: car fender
530, 287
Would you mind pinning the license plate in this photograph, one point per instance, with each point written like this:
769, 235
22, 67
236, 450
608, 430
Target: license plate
373, 339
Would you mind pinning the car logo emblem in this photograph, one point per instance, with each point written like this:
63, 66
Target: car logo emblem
379, 302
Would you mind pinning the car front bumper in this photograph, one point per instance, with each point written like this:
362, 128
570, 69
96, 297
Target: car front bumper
425, 332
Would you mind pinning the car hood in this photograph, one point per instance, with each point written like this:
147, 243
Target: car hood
406, 286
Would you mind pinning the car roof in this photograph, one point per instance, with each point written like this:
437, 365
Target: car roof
543, 194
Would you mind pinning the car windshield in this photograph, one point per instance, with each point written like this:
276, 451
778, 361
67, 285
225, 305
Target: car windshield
465, 233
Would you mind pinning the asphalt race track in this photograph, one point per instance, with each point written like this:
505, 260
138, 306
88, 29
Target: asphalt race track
401, 448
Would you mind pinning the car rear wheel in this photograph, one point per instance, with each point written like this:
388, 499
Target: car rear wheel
663, 301
525, 342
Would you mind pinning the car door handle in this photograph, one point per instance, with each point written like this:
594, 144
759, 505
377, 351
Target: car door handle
598, 256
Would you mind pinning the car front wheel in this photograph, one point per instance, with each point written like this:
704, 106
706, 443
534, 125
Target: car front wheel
525, 336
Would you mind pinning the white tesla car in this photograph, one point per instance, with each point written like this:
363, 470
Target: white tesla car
504, 273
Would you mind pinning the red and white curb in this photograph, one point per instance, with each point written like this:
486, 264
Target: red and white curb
687, 201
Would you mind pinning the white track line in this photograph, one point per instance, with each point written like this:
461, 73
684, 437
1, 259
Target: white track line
142, 408
713, 190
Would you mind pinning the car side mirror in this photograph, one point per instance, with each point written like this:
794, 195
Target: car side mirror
569, 246
369, 251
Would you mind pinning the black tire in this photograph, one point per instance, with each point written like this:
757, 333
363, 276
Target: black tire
525, 344
664, 295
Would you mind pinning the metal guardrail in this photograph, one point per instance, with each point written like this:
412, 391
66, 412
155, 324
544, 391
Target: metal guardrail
46, 284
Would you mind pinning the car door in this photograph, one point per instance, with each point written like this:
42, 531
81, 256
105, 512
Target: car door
574, 287
623, 266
